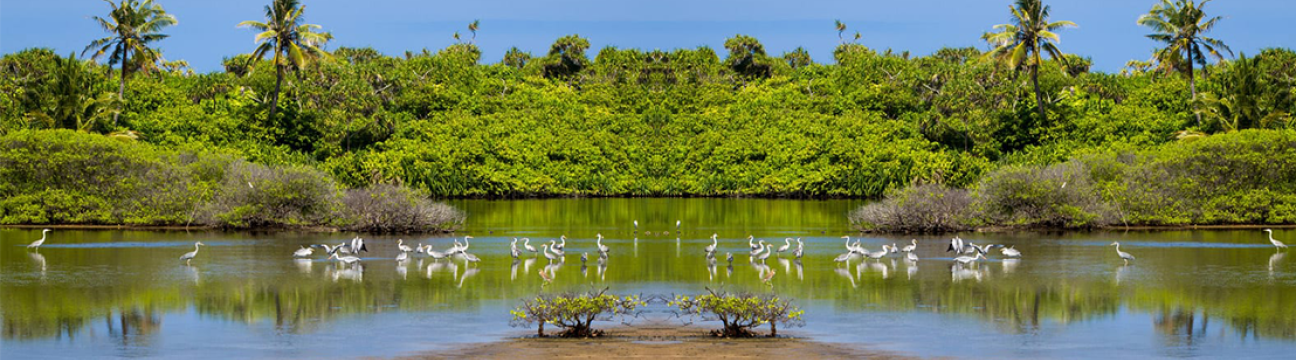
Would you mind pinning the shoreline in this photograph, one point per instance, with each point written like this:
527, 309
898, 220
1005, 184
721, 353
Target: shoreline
310, 229
655, 342
1012, 229
329, 229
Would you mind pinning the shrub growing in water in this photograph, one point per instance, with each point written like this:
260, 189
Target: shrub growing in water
923, 208
255, 195
742, 312
573, 312
1060, 195
391, 208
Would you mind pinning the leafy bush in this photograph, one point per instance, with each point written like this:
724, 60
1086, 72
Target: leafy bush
391, 208
573, 312
739, 313
1059, 195
254, 195
923, 208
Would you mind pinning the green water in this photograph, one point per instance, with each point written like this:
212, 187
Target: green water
125, 293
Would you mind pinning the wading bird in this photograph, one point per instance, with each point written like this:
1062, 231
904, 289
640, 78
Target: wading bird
358, 245
563, 246
36, 244
956, 245
1123, 255
754, 246
345, 259
303, 252
766, 254
1010, 252
913, 244
787, 243
677, 225
553, 247
190, 255
636, 225
526, 244
469, 258
729, 256
1276, 243
547, 255
877, 255
434, 254
760, 246
465, 244
969, 259
584, 257
400, 245
602, 248
710, 249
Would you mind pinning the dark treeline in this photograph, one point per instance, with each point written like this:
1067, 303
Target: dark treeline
689, 122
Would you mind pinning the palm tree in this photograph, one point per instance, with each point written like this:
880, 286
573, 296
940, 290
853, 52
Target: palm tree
1022, 42
1180, 25
291, 42
133, 25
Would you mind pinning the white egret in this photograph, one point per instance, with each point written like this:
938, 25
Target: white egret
710, 249
677, 225
760, 246
36, 244
1276, 243
526, 244
358, 245
400, 245
435, 254
1123, 255
845, 257
303, 252
547, 255
787, 243
956, 245
969, 259
345, 259
190, 255
465, 244
515, 253
602, 248
469, 258
1010, 252
554, 249
563, 245
419, 248
766, 254
754, 246
876, 255
913, 244
800, 249
636, 225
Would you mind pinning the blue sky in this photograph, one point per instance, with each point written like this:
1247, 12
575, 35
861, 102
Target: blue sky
206, 32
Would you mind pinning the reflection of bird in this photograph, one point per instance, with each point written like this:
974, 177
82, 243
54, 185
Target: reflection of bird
1276, 243
402, 256
1273, 261
1010, 252
1123, 255
400, 245
911, 257
36, 244
303, 252
190, 255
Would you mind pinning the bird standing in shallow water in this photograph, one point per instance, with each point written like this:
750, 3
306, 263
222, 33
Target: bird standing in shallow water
190, 255
1010, 252
1276, 243
1123, 255
303, 252
36, 244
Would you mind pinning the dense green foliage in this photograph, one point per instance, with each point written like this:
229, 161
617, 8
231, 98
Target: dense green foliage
573, 312
739, 313
1246, 177
69, 177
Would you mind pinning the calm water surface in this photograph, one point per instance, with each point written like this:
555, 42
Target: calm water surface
90, 294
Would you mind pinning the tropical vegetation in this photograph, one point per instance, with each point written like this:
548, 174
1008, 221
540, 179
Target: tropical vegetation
739, 121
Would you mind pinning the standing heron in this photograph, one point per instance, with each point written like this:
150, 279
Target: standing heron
766, 254
469, 258
636, 225
1123, 255
956, 245
602, 248
913, 244
547, 255
553, 247
1276, 243
563, 245
710, 249
526, 244
190, 255
400, 245
345, 259
877, 255
358, 245
304, 252
435, 254
1010, 252
787, 244
36, 244
465, 244
677, 226
760, 246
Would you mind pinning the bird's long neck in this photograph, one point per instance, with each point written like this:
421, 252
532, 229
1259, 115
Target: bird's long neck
1117, 247
46, 233
195, 248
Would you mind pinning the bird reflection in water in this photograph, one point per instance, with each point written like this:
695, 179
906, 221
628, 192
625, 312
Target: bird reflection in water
469, 272
1121, 272
193, 272
1274, 260
39, 260
304, 265
350, 272
847, 274
959, 272
1010, 265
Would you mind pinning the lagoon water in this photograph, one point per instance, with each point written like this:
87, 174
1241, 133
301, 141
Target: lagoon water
106, 294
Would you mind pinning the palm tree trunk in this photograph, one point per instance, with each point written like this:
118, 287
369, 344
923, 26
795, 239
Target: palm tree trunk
1039, 97
1192, 86
121, 89
274, 98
